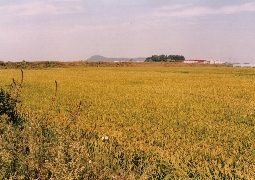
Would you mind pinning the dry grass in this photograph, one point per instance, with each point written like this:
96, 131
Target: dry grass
160, 122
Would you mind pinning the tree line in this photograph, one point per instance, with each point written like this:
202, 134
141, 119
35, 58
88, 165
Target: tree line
165, 58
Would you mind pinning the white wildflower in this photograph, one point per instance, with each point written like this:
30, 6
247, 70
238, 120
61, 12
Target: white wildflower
105, 138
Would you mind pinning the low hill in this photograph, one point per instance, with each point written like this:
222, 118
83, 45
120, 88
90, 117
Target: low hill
102, 58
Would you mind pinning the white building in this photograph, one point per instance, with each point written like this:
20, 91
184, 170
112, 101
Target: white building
244, 65
216, 62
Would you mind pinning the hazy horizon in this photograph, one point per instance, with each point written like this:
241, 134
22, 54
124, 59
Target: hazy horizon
70, 30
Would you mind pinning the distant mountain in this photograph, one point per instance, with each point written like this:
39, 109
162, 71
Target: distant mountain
97, 58
102, 58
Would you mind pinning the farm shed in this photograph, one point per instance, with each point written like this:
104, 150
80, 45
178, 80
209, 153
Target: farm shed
202, 61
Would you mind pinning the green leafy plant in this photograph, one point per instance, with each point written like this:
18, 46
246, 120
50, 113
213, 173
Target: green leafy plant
9, 100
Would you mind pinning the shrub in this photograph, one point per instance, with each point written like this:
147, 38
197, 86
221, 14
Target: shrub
8, 106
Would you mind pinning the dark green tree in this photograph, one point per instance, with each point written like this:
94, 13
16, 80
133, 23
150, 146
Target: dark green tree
165, 58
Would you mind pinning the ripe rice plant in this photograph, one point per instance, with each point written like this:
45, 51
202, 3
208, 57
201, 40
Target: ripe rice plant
131, 123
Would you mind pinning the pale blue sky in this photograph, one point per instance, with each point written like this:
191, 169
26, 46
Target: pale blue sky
69, 30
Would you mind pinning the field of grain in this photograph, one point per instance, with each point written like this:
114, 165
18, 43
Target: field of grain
131, 123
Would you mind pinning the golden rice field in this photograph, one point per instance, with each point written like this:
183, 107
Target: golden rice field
133, 123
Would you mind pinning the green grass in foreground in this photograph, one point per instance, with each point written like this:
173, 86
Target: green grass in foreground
132, 123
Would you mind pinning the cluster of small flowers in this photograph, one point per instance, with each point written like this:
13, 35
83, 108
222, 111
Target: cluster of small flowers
105, 139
